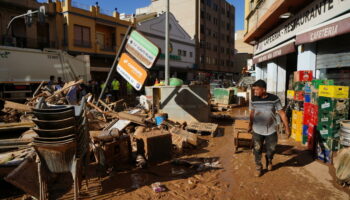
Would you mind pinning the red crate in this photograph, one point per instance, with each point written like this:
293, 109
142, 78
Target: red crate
311, 137
303, 75
299, 96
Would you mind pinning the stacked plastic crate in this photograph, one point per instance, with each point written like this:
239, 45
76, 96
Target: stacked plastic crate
333, 105
302, 94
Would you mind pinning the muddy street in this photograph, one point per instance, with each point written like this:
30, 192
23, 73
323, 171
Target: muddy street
295, 175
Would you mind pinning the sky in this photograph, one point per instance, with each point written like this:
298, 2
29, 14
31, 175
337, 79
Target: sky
129, 7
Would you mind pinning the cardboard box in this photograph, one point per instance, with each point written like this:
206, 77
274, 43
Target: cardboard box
333, 91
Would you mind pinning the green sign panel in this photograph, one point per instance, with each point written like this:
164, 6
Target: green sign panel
142, 49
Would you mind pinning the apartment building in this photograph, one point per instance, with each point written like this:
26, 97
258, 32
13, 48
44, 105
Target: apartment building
211, 24
298, 35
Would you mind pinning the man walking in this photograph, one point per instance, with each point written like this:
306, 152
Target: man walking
263, 108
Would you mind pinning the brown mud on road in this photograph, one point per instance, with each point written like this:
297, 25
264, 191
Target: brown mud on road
295, 175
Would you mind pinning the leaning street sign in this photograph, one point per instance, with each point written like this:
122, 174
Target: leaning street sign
142, 49
131, 71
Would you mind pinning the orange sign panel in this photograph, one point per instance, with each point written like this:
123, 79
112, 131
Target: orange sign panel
131, 71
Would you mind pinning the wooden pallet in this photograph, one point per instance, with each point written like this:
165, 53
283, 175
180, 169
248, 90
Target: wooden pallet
241, 134
202, 128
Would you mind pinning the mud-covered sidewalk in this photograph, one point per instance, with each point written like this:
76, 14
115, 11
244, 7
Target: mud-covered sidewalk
295, 175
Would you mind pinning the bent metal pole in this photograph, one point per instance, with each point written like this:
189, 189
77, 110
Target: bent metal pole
115, 63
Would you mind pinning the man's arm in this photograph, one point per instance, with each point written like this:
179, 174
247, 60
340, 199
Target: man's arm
285, 121
251, 118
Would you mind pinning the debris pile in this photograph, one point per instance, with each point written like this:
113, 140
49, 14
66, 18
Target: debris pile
55, 132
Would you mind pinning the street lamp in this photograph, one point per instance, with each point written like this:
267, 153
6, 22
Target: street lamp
28, 18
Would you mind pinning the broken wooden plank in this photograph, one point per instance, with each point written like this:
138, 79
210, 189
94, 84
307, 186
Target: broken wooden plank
19, 124
65, 87
105, 105
17, 106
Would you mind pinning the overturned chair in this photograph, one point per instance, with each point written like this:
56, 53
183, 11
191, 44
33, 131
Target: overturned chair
62, 144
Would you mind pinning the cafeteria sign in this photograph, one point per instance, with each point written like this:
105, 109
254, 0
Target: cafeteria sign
142, 49
131, 71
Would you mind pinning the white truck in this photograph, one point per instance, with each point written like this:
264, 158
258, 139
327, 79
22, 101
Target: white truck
23, 69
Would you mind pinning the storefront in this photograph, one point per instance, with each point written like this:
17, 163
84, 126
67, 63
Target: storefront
316, 38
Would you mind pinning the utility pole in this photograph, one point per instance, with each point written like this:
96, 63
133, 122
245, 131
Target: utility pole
167, 44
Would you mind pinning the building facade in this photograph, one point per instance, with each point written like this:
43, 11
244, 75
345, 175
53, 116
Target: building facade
211, 24
298, 35
22, 33
181, 51
76, 28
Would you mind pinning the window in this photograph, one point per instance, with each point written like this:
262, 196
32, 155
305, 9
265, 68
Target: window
202, 44
215, 6
202, 14
209, 3
179, 52
202, 28
82, 36
184, 53
228, 26
251, 5
222, 50
202, 1
191, 54
215, 48
215, 20
207, 60
214, 34
209, 31
216, 61
201, 59
100, 38
228, 38
208, 17
228, 51
208, 46
227, 63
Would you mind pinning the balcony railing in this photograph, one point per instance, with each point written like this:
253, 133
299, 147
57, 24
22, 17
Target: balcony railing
85, 44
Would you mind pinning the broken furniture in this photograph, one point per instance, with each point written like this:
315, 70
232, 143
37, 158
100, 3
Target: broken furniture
241, 134
62, 144
155, 144
202, 128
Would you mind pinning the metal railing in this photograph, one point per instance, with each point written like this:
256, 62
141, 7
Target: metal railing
80, 43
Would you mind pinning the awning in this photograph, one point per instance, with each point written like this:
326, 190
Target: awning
280, 50
331, 28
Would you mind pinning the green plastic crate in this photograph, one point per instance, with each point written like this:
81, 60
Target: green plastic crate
224, 95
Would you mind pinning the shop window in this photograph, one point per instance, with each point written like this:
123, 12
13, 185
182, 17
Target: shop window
82, 36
